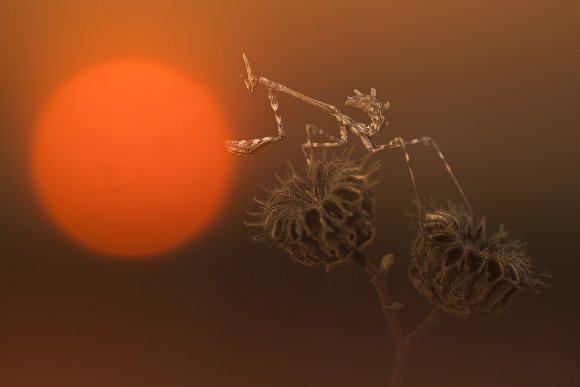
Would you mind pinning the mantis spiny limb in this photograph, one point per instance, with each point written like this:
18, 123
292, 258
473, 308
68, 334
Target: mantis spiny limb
399, 142
246, 147
336, 142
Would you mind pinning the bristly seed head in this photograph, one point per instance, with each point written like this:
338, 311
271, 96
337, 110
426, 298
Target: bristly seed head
321, 218
458, 267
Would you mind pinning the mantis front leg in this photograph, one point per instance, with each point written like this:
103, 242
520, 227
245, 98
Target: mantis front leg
246, 147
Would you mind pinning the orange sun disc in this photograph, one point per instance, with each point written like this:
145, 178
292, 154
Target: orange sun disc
128, 158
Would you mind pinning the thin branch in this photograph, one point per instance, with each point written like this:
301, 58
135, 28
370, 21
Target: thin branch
403, 344
386, 302
433, 318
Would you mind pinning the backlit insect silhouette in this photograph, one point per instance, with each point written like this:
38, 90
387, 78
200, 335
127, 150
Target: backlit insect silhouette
368, 103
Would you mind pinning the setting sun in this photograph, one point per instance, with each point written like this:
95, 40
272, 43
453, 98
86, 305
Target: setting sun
128, 159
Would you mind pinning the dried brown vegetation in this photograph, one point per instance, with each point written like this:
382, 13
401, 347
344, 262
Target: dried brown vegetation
458, 267
321, 218
325, 217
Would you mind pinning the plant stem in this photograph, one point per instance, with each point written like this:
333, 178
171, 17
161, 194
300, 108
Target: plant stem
392, 320
403, 344
402, 356
434, 317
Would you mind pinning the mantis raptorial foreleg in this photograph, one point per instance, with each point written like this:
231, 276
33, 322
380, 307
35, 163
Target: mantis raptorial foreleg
246, 147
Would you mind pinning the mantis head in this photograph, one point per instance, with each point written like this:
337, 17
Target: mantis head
374, 108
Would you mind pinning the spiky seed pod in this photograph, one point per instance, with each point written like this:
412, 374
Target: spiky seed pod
456, 266
321, 218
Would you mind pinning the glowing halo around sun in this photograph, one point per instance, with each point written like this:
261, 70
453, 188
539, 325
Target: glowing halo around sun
127, 158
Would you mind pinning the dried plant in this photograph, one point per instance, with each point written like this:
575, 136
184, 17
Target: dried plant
321, 218
324, 219
458, 267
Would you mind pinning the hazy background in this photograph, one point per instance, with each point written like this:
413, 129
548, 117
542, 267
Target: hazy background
496, 84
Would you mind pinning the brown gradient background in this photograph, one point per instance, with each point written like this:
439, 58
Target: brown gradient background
496, 84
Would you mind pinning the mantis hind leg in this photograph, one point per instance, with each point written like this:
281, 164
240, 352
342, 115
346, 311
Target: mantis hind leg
308, 146
400, 142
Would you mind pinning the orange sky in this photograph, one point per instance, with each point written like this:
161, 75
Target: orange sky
495, 83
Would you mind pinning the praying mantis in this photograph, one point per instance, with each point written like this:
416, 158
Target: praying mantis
368, 103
